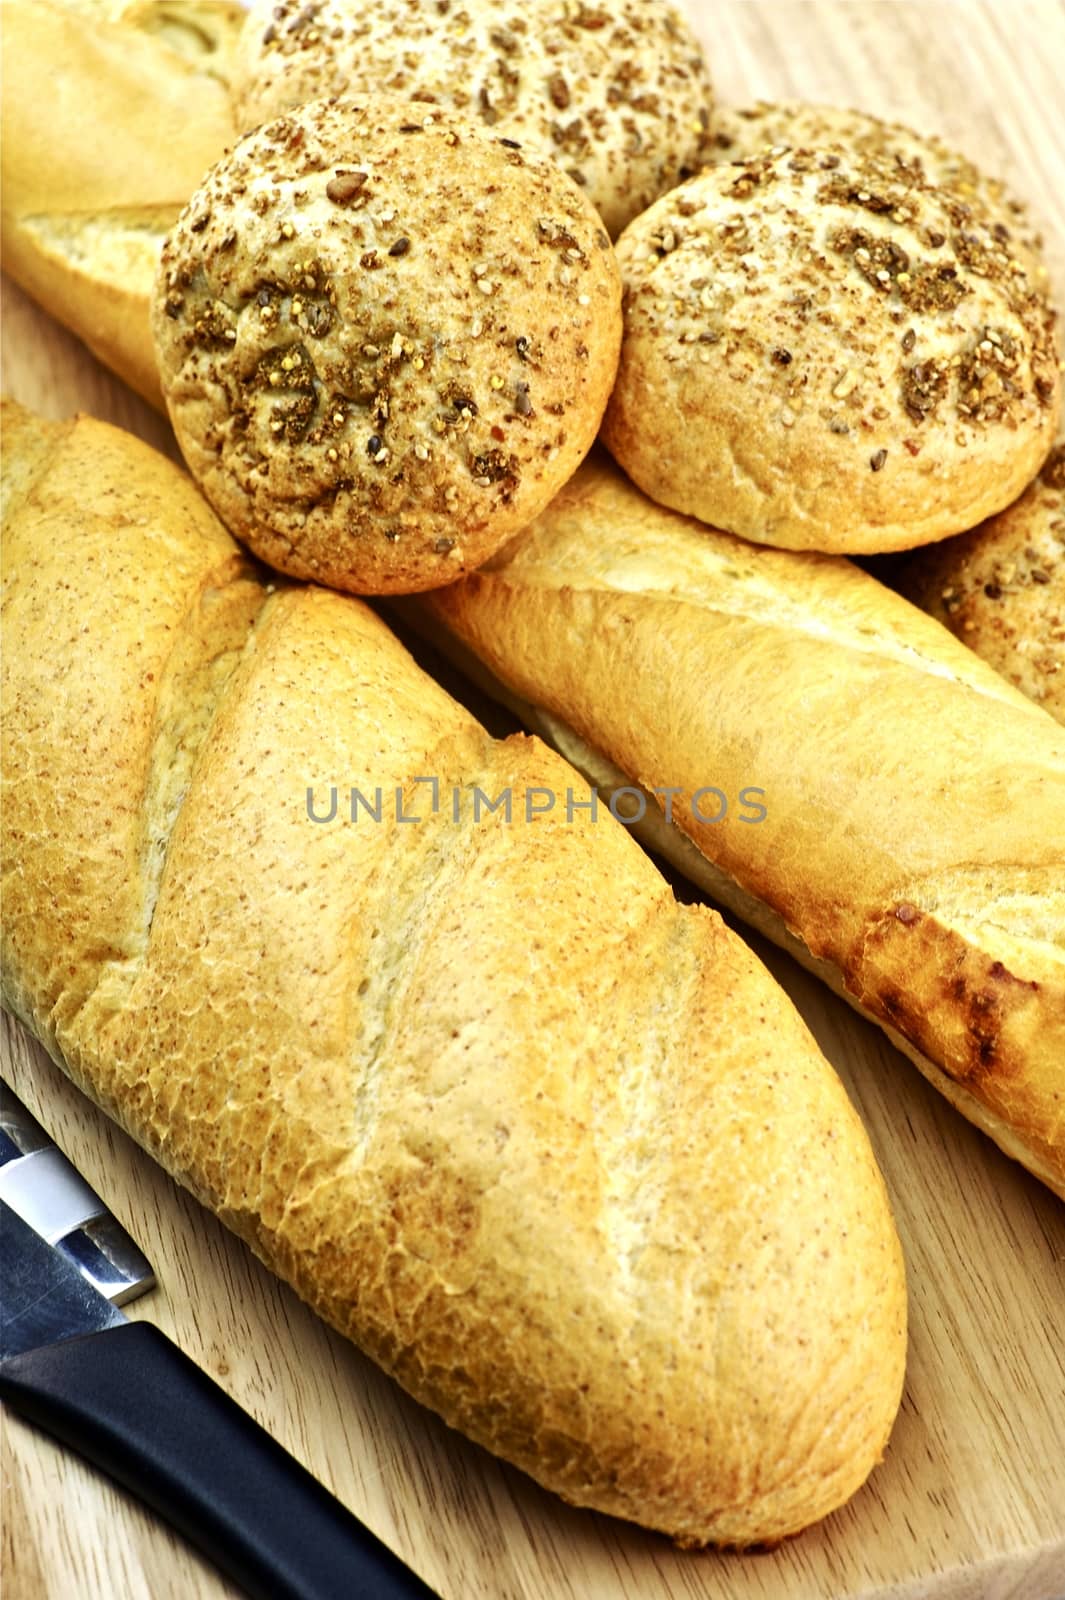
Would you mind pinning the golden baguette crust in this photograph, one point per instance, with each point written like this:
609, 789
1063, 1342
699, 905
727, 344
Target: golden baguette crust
93, 178
1000, 588
555, 1151
915, 829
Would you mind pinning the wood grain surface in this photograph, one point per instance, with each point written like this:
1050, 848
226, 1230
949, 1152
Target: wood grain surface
970, 1501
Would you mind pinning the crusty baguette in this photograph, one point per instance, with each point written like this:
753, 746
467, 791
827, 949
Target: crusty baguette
555, 1151
108, 126
913, 850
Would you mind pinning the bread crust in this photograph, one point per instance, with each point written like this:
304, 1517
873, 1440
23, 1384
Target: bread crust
824, 352
915, 800
744, 131
94, 178
386, 338
555, 1151
619, 96
1000, 589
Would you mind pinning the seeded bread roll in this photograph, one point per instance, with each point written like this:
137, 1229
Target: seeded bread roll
619, 95
385, 339
1001, 588
742, 132
823, 353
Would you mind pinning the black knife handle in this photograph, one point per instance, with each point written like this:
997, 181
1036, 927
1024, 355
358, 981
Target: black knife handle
134, 1405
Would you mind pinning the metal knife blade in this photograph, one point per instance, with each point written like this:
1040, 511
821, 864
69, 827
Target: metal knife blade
40, 1184
43, 1296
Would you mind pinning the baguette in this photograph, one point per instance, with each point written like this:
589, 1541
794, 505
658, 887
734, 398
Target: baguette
913, 847
109, 123
555, 1151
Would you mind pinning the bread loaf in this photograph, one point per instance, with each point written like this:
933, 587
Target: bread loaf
912, 848
108, 126
555, 1151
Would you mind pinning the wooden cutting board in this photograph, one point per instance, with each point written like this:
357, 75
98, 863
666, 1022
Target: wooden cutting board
970, 1501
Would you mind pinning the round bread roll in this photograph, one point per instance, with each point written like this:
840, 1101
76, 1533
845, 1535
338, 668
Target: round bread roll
822, 353
619, 94
740, 133
1001, 588
386, 338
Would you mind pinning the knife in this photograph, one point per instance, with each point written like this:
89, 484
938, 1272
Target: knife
124, 1396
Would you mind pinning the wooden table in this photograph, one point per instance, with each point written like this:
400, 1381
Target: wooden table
970, 1502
